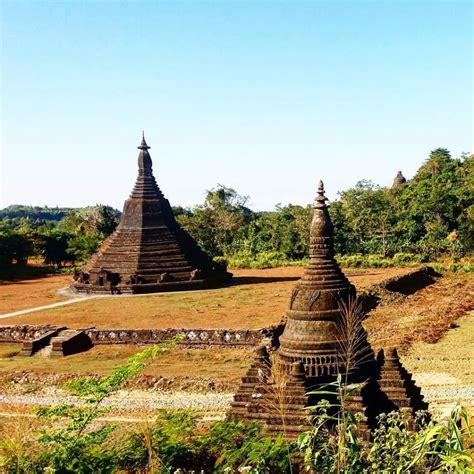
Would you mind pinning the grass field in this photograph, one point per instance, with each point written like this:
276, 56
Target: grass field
257, 298
450, 360
27, 293
224, 365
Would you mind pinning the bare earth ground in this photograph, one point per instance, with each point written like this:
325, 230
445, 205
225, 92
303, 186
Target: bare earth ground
444, 369
258, 298
224, 365
21, 294
424, 316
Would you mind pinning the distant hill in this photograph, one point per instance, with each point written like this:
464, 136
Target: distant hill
16, 211
56, 214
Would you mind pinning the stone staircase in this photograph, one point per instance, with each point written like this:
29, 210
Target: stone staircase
70, 341
59, 343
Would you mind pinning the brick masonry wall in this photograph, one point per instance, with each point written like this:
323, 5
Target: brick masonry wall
23, 332
192, 337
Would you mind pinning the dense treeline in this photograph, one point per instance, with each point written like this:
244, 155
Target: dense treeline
16, 212
429, 217
35, 232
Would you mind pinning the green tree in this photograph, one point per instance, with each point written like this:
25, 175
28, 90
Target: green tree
14, 247
218, 222
54, 247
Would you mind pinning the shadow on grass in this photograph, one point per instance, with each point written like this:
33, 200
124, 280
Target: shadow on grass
11, 273
252, 280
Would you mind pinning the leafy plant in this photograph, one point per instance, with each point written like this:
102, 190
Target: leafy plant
76, 444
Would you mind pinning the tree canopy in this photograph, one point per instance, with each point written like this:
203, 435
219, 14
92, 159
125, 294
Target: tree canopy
429, 216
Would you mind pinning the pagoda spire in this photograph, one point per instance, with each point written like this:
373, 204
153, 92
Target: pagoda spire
143, 144
321, 226
399, 179
320, 199
144, 159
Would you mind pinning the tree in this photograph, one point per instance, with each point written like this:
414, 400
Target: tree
14, 247
54, 247
369, 215
218, 222
82, 246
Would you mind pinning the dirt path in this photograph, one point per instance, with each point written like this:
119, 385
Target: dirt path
46, 307
128, 400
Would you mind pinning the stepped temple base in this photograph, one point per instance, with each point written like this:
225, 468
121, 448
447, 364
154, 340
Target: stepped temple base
144, 288
281, 400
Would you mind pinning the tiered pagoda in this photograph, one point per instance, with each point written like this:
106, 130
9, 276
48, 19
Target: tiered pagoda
323, 337
148, 252
398, 180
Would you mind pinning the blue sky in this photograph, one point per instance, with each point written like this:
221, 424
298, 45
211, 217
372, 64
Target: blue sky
266, 97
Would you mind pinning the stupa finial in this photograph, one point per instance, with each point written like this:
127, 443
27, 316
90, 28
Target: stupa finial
144, 158
320, 200
143, 144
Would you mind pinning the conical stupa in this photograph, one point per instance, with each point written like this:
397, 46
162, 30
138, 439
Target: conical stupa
399, 179
323, 337
149, 251
313, 333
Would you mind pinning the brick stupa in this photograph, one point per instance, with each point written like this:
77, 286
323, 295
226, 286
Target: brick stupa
313, 348
399, 180
148, 252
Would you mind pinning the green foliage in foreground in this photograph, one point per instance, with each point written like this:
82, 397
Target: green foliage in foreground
77, 441
397, 445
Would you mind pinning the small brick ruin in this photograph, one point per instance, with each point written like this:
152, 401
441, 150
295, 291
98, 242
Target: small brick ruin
322, 323
148, 252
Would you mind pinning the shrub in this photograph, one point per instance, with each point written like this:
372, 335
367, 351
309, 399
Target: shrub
235, 447
396, 446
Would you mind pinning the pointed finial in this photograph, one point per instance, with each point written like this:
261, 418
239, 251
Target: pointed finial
320, 200
143, 144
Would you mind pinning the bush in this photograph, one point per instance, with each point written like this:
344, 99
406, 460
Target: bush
401, 259
270, 259
397, 445
235, 447
378, 261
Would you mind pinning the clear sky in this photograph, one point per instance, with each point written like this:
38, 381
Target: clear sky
265, 97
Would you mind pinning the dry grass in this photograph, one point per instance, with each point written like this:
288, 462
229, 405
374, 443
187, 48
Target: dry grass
18, 432
424, 316
259, 298
223, 365
28, 293
448, 362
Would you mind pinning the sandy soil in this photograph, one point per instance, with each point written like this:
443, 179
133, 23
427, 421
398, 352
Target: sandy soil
258, 298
